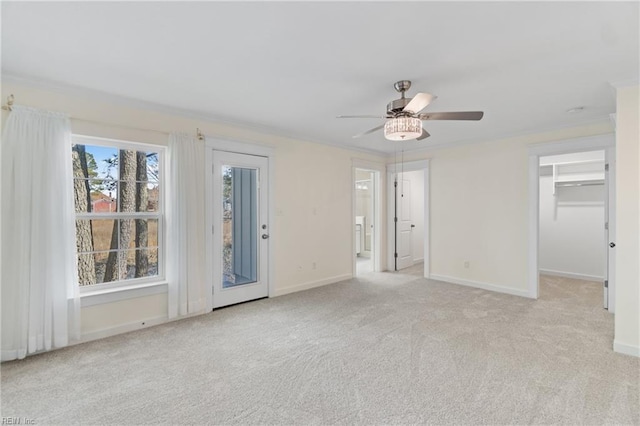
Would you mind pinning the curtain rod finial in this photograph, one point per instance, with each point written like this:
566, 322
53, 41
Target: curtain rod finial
10, 100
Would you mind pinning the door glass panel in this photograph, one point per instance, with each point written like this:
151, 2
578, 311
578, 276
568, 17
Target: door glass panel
239, 226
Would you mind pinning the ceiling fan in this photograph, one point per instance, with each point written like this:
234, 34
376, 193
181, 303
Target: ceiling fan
404, 117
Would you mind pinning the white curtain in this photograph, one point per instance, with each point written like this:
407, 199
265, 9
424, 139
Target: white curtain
40, 305
188, 291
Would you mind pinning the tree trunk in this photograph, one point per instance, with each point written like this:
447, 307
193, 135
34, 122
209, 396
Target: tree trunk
142, 199
84, 233
117, 264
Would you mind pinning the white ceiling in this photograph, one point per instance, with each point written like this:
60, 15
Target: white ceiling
291, 68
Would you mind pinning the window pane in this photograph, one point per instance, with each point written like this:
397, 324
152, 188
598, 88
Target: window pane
104, 194
153, 170
128, 196
139, 196
92, 267
239, 226
94, 235
81, 191
145, 234
95, 195
153, 194
95, 162
140, 263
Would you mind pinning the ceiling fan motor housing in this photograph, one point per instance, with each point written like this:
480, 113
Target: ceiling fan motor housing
395, 107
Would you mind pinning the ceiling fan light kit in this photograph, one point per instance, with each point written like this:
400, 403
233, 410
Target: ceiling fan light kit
404, 121
402, 128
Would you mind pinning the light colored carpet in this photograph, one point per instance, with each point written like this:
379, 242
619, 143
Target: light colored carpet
384, 348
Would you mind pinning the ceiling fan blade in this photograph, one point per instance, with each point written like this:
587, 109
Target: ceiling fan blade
424, 135
460, 115
361, 116
419, 102
375, 129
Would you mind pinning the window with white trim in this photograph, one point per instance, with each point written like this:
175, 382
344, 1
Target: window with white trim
119, 212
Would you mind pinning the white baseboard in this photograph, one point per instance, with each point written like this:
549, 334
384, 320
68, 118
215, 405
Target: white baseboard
484, 286
418, 260
123, 328
312, 284
571, 275
626, 349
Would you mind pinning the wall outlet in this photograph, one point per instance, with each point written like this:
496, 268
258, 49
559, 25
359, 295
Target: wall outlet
466, 264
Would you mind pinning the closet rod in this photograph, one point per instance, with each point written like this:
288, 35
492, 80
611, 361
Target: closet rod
11, 100
580, 184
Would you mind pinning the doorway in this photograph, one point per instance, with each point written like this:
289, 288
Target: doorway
238, 212
572, 220
366, 218
408, 212
572, 234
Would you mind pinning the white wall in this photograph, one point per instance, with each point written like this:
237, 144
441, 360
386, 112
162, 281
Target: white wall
572, 236
627, 251
479, 209
313, 214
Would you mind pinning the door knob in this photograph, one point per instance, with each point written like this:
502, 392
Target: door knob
612, 245
412, 225
265, 236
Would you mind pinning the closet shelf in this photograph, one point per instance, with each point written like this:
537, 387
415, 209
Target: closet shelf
578, 173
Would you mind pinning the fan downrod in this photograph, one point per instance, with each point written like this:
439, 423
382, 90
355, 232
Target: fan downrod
402, 86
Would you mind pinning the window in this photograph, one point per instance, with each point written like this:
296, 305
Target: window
119, 212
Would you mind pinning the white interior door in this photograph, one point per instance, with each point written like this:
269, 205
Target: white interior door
240, 228
405, 227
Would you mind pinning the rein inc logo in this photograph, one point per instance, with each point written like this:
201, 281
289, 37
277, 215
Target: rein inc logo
17, 421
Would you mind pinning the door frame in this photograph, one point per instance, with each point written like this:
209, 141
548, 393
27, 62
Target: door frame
378, 177
410, 166
604, 143
214, 144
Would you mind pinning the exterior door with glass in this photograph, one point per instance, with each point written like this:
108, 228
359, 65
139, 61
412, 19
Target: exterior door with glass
240, 228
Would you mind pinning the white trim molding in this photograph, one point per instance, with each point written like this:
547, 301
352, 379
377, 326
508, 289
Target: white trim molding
623, 348
567, 146
125, 328
312, 284
630, 82
572, 275
104, 97
122, 293
481, 285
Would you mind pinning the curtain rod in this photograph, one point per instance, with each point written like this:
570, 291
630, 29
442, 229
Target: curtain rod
11, 100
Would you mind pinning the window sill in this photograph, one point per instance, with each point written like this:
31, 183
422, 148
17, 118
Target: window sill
100, 297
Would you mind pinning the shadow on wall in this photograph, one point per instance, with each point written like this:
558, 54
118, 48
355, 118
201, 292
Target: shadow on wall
592, 195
